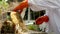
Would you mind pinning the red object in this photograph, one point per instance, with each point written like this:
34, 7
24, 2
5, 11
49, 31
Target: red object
46, 19
21, 6
42, 19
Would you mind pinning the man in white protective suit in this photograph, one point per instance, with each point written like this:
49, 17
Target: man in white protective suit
52, 8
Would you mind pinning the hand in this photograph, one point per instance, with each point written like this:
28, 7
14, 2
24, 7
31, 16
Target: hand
22, 5
42, 19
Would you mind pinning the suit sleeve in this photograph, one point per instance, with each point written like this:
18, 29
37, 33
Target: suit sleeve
43, 4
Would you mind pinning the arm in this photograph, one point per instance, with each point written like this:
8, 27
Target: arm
43, 4
21, 6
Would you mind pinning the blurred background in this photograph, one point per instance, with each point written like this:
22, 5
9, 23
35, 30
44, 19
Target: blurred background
27, 15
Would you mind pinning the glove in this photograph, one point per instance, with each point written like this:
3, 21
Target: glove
42, 19
21, 6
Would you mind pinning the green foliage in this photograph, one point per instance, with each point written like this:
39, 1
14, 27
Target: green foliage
0, 0
33, 27
4, 4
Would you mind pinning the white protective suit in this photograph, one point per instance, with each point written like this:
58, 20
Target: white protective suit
52, 8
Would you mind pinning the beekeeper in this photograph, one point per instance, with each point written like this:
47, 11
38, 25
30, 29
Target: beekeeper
52, 8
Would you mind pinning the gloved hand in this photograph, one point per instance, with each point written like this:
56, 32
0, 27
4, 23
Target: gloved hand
21, 6
42, 19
